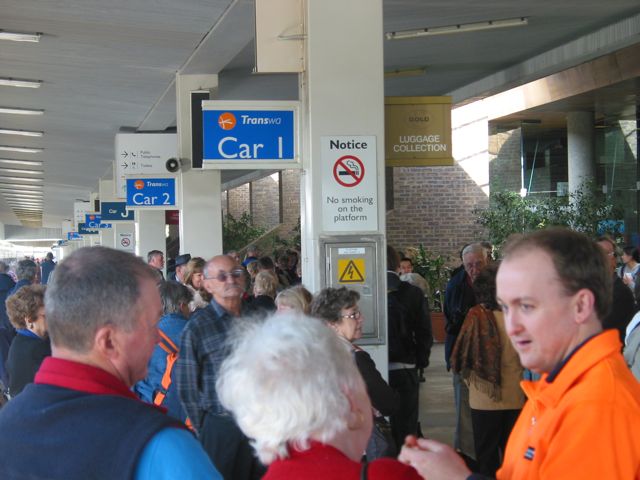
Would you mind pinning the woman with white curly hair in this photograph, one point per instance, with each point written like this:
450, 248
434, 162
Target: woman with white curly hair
295, 391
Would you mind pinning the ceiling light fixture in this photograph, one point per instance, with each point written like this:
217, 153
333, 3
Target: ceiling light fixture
26, 133
7, 185
34, 163
19, 203
21, 179
405, 72
21, 170
34, 195
20, 37
9, 148
21, 111
17, 82
459, 28
11, 187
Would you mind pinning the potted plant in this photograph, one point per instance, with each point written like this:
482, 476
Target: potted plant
433, 267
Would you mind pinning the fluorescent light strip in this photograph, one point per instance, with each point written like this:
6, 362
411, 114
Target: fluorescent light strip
17, 82
20, 37
26, 133
10, 186
21, 179
21, 170
34, 163
21, 111
9, 148
463, 27
23, 197
20, 188
24, 204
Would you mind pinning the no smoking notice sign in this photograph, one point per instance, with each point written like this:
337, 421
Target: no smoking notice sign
349, 183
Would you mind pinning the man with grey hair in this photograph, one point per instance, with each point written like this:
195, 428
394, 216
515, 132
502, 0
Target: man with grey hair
203, 348
102, 308
458, 299
155, 258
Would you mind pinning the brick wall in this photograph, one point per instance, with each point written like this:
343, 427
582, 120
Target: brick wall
239, 201
504, 161
265, 198
433, 206
290, 199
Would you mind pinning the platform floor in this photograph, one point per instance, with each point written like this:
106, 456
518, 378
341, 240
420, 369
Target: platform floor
437, 409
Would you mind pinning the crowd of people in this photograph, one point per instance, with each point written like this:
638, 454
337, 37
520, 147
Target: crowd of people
232, 369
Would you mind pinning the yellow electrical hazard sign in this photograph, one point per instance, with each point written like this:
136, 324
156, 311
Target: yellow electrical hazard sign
351, 270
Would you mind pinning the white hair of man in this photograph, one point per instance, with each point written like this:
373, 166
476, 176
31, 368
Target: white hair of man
477, 248
286, 382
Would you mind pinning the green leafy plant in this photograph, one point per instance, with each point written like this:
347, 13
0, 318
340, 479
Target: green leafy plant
238, 233
585, 211
434, 269
292, 240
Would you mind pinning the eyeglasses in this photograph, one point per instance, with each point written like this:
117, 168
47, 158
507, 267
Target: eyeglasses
353, 316
222, 276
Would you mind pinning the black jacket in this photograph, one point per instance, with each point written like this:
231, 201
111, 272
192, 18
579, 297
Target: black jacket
417, 336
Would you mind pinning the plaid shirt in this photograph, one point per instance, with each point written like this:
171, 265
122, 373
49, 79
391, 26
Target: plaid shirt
202, 350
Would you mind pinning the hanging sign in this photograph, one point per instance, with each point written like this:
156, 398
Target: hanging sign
244, 134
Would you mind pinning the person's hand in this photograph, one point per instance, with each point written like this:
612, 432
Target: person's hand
626, 279
433, 460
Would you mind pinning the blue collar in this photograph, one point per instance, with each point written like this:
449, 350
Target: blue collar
26, 333
554, 373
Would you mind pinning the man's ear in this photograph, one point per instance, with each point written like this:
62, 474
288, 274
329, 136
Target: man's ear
584, 305
105, 341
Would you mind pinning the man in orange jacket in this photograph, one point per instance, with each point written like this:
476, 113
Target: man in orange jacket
583, 416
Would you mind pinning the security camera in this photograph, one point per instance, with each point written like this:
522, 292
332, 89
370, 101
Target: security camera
172, 165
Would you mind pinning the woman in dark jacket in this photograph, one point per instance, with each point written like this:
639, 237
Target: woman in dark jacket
31, 344
339, 308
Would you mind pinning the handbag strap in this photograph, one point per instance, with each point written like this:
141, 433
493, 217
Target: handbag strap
363, 470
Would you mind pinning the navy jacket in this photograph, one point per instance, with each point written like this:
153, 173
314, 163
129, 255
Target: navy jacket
104, 442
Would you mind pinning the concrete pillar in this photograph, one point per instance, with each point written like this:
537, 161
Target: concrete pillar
107, 237
580, 149
341, 93
150, 232
200, 208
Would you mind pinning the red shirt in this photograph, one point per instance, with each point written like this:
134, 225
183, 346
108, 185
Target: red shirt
321, 462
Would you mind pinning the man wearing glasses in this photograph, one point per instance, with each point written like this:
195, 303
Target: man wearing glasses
203, 348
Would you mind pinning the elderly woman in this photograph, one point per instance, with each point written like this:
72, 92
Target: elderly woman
294, 389
31, 344
338, 307
193, 280
295, 298
486, 359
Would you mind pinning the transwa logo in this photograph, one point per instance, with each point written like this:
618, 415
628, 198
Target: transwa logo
138, 185
227, 121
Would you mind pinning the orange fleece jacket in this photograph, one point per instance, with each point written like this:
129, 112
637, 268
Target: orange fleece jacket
584, 425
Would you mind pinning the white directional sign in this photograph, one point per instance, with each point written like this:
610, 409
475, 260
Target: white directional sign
142, 153
349, 184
